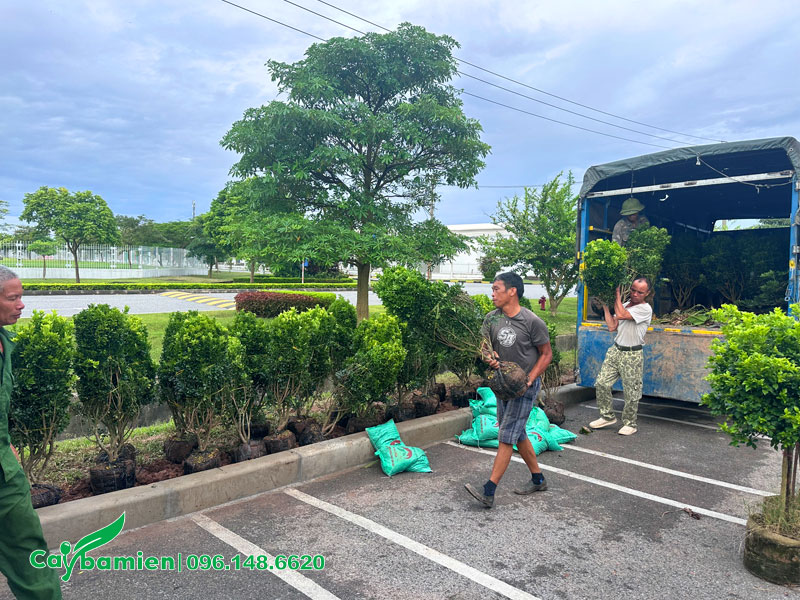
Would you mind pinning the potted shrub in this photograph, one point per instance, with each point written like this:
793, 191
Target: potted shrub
755, 381
115, 378
200, 370
371, 372
44, 382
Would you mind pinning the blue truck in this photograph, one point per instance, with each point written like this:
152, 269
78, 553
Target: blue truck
687, 190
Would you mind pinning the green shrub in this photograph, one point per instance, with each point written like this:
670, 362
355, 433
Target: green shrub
43, 383
286, 372
271, 304
371, 372
407, 295
201, 368
252, 333
115, 372
489, 266
724, 267
484, 303
604, 269
755, 382
645, 248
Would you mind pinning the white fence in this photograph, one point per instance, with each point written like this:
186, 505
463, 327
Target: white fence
99, 261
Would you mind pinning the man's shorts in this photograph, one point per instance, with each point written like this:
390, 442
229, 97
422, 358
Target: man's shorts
512, 415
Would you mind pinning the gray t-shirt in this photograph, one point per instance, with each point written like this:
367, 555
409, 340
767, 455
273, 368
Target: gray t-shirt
516, 338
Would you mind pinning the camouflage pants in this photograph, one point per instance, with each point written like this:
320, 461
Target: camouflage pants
630, 367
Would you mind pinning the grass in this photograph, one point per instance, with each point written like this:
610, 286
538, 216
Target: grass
775, 519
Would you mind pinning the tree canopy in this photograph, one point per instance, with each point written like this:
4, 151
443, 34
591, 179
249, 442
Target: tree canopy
370, 127
541, 228
76, 218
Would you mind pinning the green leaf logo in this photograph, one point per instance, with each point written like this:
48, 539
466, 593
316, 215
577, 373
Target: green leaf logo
90, 542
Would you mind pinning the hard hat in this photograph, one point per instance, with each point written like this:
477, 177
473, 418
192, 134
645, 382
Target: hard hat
631, 206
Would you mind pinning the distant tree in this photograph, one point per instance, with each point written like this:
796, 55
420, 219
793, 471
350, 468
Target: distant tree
44, 248
174, 234
771, 223
203, 246
541, 236
370, 122
136, 231
76, 218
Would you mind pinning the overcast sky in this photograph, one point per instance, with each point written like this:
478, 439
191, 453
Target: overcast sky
130, 99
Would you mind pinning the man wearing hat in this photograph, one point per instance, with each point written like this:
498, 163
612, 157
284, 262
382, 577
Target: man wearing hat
632, 218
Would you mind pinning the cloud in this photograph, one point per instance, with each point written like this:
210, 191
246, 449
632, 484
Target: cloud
131, 99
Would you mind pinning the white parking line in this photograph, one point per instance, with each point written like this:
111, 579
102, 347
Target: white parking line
619, 488
293, 578
712, 427
683, 474
487, 581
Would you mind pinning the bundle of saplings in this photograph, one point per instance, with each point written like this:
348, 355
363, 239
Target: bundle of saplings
458, 325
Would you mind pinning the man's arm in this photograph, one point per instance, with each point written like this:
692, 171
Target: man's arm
611, 320
621, 311
545, 356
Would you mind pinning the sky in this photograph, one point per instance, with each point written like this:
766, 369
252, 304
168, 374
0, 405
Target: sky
130, 99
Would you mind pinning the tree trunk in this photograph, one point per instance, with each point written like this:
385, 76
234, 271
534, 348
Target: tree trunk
44, 269
362, 295
210, 269
75, 256
253, 271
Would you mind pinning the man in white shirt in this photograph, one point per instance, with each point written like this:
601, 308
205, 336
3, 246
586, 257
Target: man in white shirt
625, 357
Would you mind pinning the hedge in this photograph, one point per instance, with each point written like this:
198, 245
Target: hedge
271, 279
29, 286
271, 304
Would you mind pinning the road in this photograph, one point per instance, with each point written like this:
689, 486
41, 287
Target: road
158, 303
612, 525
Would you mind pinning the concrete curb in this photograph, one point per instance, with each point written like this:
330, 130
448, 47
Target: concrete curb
183, 495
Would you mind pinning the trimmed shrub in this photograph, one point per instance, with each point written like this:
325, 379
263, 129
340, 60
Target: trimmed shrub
371, 372
273, 279
271, 304
115, 373
604, 269
201, 369
43, 383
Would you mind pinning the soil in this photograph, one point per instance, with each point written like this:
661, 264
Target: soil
162, 469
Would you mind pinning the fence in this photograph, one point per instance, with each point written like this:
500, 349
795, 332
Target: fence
100, 260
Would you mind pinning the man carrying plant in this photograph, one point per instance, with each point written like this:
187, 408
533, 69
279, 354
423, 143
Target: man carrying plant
625, 358
514, 334
22, 531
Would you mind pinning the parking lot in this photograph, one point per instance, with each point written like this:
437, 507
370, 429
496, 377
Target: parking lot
616, 522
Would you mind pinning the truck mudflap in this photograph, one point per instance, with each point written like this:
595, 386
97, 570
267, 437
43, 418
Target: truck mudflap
674, 359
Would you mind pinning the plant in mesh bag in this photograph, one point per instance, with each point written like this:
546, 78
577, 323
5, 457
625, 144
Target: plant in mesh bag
604, 269
458, 325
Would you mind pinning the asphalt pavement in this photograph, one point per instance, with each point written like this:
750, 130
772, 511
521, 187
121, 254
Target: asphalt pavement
655, 515
168, 302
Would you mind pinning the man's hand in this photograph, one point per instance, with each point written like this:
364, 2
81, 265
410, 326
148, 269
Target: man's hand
493, 360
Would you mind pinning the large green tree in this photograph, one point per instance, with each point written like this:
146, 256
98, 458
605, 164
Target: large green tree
541, 236
76, 218
370, 125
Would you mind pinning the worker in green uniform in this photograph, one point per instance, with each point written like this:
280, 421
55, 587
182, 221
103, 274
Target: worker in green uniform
21, 529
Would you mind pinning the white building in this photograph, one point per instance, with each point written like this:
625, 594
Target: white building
465, 265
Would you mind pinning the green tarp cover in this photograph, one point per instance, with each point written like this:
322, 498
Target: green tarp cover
766, 155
